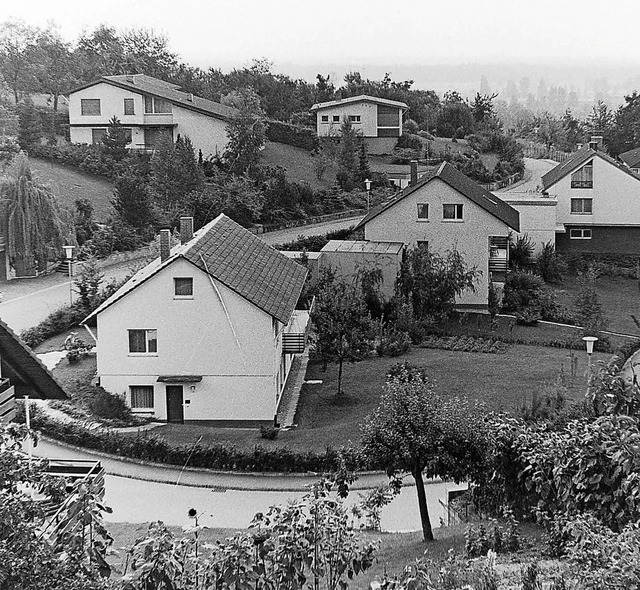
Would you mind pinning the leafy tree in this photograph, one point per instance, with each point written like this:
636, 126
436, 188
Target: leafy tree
30, 125
147, 52
455, 119
116, 139
521, 252
174, 172
84, 224
35, 231
246, 133
17, 43
131, 201
349, 157
414, 430
343, 325
55, 67
87, 284
431, 282
589, 308
100, 53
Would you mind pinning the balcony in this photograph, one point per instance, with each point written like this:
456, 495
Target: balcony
294, 337
582, 184
158, 119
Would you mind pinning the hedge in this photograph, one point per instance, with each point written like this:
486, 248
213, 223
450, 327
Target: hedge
149, 447
295, 135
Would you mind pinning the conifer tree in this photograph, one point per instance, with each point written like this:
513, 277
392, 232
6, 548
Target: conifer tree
30, 125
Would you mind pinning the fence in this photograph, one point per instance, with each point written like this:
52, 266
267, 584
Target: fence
494, 186
266, 228
538, 151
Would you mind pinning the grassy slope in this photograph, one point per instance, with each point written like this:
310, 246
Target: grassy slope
69, 184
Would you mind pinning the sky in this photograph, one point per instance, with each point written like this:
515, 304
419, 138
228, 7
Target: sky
230, 33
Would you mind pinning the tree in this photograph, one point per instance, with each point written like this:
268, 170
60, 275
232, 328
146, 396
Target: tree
131, 200
147, 52
30, 125
116, 139
348, 157
342, 322
84, 224
174, 172
55, 66
431, 282
17, 44
246, 132
588, 306
414, 430
35, 231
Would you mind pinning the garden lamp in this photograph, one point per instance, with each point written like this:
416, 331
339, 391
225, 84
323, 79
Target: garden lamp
68, 251
367, 185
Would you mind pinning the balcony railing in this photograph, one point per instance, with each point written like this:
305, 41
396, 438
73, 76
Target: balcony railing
158, 119
294, 338
582, 184
7, 401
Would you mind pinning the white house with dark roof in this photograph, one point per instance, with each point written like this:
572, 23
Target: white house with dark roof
378, 120
150, 108
598, 204
205, 333
447, 210
631, 159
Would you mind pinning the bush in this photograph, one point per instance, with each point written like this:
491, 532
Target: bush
108, 405
76, 348
502, 539
295, 135
409, 141
393, 342
405, 372
269, 432
465, 344
521, 253
548, 265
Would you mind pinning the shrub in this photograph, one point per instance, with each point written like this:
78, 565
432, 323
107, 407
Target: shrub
295, 135
548, 265
521, 252
465, 344
108, 405
502, 539
76, 348
393, 342
522, 290
405, 372
269, 432
410, 141
589, 310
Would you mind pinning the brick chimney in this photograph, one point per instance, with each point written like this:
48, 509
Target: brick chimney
165, 244
186, 229
596, 142
414, 173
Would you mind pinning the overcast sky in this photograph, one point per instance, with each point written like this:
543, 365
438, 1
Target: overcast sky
214, 32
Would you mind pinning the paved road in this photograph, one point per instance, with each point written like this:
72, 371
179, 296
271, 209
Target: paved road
287, 235
135, 494
534, 171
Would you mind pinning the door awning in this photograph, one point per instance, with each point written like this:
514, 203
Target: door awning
179, 378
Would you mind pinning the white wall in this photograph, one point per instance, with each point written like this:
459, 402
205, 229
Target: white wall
206, 133
194, 338
615, 194
111, 103
537, 218
368, 112
470, 237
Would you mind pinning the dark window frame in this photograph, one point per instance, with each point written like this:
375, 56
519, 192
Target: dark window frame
142, 341
423, 208
458, 212
85, 107
179, 284
139, 396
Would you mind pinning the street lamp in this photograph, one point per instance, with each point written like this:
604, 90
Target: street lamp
367, 185
589, 341
68, 250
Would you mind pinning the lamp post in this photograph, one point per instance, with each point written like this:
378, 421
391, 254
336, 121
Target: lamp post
68, 250
367, 184
589, 341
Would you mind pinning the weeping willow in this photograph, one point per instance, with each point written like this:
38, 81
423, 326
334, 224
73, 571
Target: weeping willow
33, 228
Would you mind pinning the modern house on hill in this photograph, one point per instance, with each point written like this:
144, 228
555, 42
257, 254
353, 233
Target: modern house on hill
22, 374
598, 204
205, 333
447, 210
150, 108
378, 120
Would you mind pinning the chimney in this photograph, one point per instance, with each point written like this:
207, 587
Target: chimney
414, 173
596, 142
131, 79
186, 229
165, 244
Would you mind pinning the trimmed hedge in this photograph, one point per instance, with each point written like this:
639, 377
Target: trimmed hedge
150, 447
465, 344
86, 157
295, 135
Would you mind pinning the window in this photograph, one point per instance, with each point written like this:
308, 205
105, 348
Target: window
583, 178
129, 106
143, 341
423, 211
423, 245
580, 233
153, 105
97, 135
583, 206
141, 396
183, 287
451, 211
354, 118
90, 106
128, 133
336, 118
324, 119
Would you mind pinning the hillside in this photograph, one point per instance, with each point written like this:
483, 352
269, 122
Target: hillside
69, 184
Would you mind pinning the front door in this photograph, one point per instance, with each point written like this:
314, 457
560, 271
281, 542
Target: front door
175, 408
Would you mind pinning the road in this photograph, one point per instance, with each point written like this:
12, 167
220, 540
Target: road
534, 171
26, 302
142, 493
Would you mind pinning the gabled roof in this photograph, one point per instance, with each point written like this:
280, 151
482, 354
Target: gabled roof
465, 186
362, 98
631, 158
143, 84
238, 259
25, 370
578, 159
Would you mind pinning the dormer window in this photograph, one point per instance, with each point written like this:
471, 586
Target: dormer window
583, 177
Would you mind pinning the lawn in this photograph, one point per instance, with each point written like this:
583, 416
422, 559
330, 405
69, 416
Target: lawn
620, 298
502, 381
69, 184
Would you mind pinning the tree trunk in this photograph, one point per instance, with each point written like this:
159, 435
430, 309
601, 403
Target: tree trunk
340, 375
427, 533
